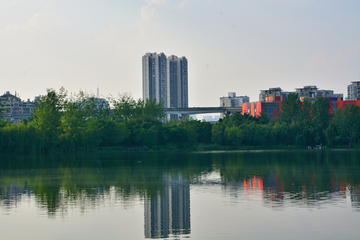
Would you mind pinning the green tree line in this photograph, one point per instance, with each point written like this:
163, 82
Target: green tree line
81, 122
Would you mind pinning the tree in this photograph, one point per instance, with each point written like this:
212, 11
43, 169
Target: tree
290, 108
217, 133
192, 133
348, 120
234, 135
178, 136
263, 118
204, 132
154, 109
332, 134
296, 115
47, 117
123, 107
72, 121
92, 107
113, 132
321, 117
92, 134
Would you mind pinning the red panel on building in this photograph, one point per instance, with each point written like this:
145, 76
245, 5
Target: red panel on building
342, 104
331, 107
252, 106
245, 108
280, 106
349, 102
258, 108
277, 99
339, 104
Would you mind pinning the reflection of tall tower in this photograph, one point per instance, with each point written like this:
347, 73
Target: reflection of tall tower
169, 211
355, 197
157, 216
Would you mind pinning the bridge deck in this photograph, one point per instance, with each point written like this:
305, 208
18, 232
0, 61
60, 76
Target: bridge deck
198, 110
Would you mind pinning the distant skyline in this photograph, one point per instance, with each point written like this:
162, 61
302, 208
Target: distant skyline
231, 46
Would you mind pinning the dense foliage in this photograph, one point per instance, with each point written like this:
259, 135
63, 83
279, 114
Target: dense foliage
82, 122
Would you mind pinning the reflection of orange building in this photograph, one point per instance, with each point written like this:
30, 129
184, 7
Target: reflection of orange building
254, 185
261, 186
253, 182
246, 186
306, 189
275, 189
343, 186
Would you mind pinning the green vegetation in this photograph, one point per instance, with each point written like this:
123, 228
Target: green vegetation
81, 122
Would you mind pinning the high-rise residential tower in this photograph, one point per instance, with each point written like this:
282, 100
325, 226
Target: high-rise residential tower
155, 77
171, 87
177, 83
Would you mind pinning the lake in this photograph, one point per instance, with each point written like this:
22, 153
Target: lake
304, 194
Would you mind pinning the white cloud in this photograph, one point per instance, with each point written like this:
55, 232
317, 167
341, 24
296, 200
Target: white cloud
182, 4
148, 11
40, 22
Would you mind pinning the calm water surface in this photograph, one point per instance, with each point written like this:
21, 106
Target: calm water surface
310, 194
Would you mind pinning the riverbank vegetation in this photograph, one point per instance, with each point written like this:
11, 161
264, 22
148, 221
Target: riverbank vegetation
81, 122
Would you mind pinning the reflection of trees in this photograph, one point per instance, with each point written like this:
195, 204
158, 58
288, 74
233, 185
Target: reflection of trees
83, 181
301, 177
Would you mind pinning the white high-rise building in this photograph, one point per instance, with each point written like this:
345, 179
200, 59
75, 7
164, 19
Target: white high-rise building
177, 83
166, 79
354, 90
155, 77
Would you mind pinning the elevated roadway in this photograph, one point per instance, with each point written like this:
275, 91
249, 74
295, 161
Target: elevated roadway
181, 112
16, 118
199, 110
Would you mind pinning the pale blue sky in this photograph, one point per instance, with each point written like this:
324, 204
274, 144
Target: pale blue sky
240, 46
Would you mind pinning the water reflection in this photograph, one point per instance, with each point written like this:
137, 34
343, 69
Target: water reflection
273, 192
168, 212
12, 195
163, 182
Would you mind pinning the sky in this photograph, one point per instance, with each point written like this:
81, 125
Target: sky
241, 46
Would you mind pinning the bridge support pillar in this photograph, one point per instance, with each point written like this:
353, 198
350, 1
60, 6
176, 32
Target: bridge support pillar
181, 116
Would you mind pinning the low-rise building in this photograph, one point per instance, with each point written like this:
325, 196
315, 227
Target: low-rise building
273, 95
14, 109
311, 93
270, 101
233, 101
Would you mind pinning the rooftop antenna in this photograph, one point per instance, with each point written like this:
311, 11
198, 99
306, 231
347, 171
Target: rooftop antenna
97, 92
